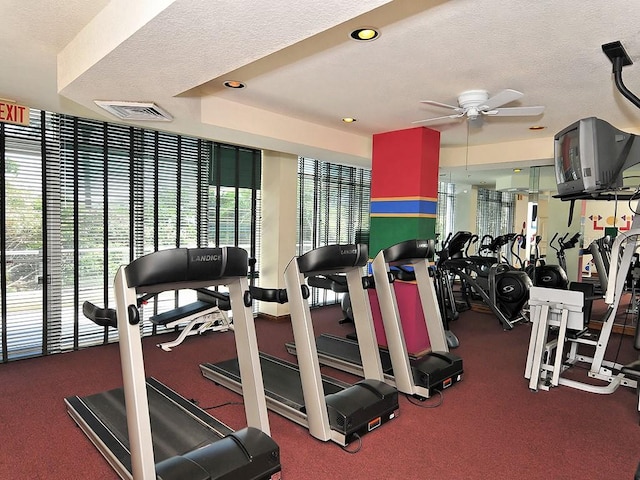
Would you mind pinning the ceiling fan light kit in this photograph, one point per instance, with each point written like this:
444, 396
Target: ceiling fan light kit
473, 104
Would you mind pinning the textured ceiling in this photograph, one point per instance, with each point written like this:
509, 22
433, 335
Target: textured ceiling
303, 72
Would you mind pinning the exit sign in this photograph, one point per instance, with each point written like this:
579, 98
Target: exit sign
14, 113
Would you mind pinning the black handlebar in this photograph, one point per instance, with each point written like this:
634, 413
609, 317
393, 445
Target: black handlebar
105, 317
563, 242
572, 242
272, 295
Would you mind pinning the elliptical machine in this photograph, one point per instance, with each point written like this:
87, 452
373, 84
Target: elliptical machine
552, 276
504, 290
564, 245
543, 274
449, 308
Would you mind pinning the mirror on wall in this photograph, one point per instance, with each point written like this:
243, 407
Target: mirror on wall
532, 214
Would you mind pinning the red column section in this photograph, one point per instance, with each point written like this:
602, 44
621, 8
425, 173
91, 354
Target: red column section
405, 163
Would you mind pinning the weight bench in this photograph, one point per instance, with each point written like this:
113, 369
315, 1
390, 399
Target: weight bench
205, 314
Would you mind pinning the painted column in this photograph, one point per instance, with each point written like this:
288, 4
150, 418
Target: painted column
404, 186
404, 196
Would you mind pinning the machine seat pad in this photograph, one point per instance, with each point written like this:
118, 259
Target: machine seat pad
181, 312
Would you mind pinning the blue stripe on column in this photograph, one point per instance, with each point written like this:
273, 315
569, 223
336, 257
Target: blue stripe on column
403, 207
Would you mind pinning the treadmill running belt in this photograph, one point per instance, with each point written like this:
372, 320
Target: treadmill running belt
174, 431
349, 351
281, 379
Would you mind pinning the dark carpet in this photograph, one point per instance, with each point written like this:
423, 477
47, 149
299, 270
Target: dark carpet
489, 426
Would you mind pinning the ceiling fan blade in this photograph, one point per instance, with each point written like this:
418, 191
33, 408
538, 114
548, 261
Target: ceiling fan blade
444, 119
501, 98
515, 111
443, 105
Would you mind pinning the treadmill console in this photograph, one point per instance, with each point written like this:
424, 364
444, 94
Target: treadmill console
333, 259
410, 249
178, 265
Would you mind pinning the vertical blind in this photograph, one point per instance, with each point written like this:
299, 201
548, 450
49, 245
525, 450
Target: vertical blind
495, 214
445, 222
81, 198
333, 207
21, 238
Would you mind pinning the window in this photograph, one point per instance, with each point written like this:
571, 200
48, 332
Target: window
333, 207
446, 208
21, 238
81, 198
495, 214
235, 200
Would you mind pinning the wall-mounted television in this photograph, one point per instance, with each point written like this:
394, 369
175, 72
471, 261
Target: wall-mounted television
590, 156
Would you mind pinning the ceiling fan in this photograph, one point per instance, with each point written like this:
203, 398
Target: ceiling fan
475, 104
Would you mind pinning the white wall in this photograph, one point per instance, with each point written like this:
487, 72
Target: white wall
599, 215
466, 198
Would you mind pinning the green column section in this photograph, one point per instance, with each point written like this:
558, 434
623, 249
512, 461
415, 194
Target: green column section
387, 231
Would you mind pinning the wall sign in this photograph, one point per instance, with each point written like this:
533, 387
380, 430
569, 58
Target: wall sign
13, 113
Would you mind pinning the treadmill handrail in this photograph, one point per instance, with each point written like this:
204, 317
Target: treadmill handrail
270, 295
336, 283
104, 317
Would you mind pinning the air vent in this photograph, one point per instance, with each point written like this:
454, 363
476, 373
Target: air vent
135, 111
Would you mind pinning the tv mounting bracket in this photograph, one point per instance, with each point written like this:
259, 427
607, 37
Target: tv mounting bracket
619, 58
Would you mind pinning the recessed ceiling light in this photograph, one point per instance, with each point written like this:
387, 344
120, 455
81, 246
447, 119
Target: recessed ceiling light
537, 127
348, 120
517, 170
365, 34
234, 84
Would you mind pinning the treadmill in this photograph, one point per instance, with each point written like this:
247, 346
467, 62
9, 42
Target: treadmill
330, 409
146, 430
421, 377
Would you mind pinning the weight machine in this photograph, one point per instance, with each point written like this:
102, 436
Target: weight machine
563, 310
590, 158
